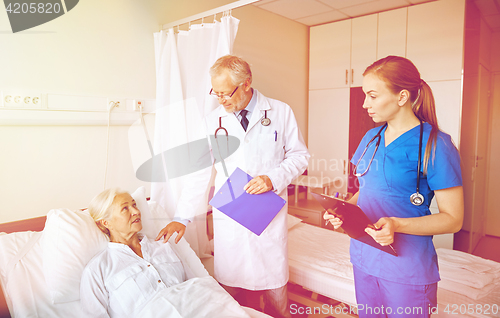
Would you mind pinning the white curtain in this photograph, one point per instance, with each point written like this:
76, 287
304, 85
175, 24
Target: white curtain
183, 60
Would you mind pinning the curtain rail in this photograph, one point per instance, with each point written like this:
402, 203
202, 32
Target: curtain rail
208, 13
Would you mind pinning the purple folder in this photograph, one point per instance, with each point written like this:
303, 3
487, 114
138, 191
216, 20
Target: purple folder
253, 211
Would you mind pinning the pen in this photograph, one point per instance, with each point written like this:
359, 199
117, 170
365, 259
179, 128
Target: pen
275, 135
336, 195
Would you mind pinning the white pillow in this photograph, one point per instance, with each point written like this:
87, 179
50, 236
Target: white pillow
70, 239
10, 244
292, 221
26, 291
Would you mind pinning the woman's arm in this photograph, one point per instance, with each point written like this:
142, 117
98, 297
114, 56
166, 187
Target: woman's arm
94, 297
449, 219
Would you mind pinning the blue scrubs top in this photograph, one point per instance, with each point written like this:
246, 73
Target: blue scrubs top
385, 192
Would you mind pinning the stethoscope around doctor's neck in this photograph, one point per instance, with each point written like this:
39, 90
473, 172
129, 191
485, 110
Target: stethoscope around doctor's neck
416, 198
264, 122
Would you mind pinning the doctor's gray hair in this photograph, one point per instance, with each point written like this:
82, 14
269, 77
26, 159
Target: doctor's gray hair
100, 208
238, 68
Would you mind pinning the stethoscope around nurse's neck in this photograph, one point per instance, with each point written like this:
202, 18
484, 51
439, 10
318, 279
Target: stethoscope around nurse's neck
416, 198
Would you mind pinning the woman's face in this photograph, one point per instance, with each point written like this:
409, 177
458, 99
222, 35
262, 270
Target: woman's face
381, 104
125, 220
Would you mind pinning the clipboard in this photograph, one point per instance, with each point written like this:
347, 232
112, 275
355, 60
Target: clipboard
253, 211
354, 220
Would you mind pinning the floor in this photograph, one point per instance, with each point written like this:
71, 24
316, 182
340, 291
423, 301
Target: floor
299, 310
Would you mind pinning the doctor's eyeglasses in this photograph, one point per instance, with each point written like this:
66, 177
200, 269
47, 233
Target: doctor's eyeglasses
226, 97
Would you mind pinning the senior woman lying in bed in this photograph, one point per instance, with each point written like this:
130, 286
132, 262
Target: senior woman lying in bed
131, 278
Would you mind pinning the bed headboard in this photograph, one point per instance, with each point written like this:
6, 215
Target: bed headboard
34, 224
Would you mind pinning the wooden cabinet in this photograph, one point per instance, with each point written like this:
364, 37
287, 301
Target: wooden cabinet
328, 136
310, 211
436, 39
392, 33
341, 51
330, 55
363, 46
429, 34
339, 54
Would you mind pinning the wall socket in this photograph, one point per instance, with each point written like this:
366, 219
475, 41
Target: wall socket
22, 100
119, 104
137, 105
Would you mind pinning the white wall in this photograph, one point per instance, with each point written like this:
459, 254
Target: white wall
58, 166
278, 51
100, 48
105, 48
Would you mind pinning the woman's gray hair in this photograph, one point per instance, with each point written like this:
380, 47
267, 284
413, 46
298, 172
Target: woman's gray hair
239, 69
100, 206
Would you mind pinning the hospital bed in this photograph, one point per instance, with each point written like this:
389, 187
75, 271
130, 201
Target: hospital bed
42, 259
318, 261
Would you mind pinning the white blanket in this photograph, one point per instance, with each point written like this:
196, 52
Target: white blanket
197, 297
467, 269
471, 292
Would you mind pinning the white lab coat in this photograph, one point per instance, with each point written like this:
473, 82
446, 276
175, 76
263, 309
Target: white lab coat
243, 259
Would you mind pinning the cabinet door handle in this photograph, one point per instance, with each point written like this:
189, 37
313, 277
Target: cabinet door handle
346, 77
344, 166
352, 76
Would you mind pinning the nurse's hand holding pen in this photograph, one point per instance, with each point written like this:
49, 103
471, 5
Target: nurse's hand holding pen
330, 216
258, 185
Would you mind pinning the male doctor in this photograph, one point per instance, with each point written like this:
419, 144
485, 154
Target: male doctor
271, 149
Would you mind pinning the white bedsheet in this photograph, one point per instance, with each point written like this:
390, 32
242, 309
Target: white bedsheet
319, 261
321, 249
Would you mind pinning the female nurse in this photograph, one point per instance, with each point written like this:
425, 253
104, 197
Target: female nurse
396, 198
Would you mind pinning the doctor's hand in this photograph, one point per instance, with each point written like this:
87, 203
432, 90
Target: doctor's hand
331, 217
258, 185
170, 229
383, 233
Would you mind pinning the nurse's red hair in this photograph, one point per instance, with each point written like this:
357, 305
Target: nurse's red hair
400, 74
